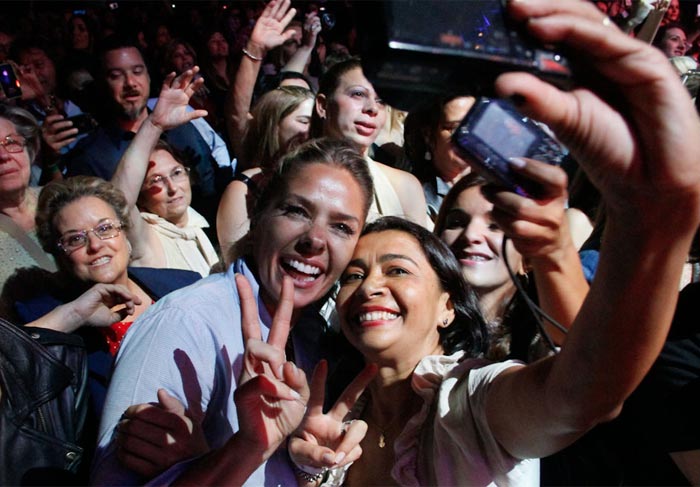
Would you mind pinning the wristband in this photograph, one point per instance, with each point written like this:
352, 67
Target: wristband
251, 56
309, 473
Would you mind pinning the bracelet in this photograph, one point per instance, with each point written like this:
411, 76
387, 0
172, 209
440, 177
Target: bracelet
308, 473
251, 56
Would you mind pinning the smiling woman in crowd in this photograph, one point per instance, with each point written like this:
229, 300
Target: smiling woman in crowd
167, 232
307, 222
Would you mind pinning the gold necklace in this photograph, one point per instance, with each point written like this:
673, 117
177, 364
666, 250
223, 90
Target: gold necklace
383, 431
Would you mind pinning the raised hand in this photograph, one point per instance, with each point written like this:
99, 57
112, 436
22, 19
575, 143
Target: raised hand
153, 437
175, 93
639, 160
269, 31
272, 393
312, 28
328, 440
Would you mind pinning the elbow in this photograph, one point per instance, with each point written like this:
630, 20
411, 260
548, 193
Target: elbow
581, 412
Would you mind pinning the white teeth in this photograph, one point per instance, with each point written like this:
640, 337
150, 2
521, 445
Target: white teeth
477, 258
305, 268
100, 261
377, 315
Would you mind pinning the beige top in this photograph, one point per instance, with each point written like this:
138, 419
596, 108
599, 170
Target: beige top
185, 248
386, 202
14, 253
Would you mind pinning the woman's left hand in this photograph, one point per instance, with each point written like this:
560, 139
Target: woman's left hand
327, 440
102, 305
153, 437
537, 226
312, 27
272, 393
173, 102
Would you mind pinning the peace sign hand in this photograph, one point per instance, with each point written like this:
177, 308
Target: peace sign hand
327, 440
272, 393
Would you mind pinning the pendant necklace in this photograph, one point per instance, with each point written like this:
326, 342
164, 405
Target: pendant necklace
383, 431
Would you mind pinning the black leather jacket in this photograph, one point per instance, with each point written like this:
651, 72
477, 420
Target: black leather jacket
43, 403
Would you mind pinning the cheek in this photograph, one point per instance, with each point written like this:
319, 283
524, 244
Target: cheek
449, 237
152, 193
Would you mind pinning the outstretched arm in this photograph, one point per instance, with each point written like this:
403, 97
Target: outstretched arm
300, 59
641, 148
268, 33
170, 112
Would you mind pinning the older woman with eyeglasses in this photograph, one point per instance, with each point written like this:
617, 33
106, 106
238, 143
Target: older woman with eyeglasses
168, 232
83, 222
20, 140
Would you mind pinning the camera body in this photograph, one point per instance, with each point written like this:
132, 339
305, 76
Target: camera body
411, 48
493, 132
84, 122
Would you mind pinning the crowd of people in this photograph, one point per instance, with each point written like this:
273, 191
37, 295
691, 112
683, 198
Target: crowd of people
225, 260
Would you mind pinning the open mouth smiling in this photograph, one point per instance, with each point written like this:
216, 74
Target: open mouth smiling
300, 271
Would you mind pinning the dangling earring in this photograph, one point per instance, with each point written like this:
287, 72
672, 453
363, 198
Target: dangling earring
428, 156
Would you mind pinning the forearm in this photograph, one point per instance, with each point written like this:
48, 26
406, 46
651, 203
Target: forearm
624, 321
61, 318
561, 288
300, 60
240, 95
535, 411
133, 165
230, 465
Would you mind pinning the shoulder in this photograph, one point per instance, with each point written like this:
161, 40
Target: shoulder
398, 177
163, 281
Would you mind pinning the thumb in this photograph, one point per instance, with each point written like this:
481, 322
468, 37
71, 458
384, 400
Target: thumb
170, 403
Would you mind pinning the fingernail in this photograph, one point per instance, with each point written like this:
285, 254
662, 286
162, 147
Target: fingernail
339, 457
295, 395
280, 371
328, 458
517, 162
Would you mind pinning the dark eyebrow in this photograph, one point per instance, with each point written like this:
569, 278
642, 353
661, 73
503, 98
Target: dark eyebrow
336, 214
388, 257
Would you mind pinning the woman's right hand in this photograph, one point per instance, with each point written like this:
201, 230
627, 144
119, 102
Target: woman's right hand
269, 31
328, 440
173, 101
272, 393
58, 132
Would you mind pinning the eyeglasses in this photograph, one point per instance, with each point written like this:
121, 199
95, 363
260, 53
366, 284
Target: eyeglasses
14, 143
178, 175
72, 241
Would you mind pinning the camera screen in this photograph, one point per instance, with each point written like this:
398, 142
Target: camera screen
504, 134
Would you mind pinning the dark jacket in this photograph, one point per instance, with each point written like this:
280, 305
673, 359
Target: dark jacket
97, 366
43, 383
